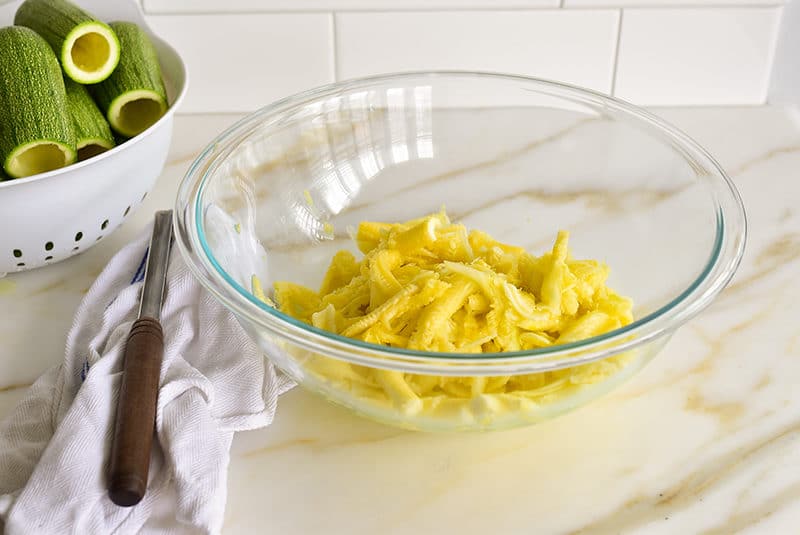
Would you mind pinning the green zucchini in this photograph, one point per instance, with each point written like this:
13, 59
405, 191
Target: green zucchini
92, 134
133, 97
35, 129
87, 48
119, 139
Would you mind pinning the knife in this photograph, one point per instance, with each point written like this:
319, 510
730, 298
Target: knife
141, 369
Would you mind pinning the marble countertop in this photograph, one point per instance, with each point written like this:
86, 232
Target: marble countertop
705, 440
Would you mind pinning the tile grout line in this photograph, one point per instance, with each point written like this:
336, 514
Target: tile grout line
474, 9
334, 49
615, 66
708, 105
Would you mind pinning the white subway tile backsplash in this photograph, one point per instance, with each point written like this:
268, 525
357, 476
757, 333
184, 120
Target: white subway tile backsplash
570, 46
243, 62
653, 52
696, 56
784, 86
215, 6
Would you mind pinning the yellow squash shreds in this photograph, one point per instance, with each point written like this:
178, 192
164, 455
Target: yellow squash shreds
430, 284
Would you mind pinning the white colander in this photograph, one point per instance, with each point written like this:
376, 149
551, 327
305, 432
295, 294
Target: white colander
52, 216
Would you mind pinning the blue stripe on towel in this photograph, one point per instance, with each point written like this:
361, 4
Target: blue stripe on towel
139, 276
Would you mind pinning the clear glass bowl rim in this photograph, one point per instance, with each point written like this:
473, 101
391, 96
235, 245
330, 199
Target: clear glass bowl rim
724, 258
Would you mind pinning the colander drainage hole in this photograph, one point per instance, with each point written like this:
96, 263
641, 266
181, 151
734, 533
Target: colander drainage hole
79, 236
48, 246
48, 258
104, 225
17, 253
127, 211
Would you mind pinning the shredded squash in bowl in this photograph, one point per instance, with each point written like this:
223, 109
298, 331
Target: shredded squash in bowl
430, 284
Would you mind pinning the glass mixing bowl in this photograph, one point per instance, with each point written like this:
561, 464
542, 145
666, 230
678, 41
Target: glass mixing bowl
277, 194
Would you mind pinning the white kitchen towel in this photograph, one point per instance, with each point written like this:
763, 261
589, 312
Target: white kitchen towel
54, 447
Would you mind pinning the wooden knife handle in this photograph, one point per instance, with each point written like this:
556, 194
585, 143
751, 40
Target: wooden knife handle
136, 412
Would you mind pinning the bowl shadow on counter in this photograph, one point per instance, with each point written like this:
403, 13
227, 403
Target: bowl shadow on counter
333, 461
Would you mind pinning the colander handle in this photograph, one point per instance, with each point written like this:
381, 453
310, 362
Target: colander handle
136, 411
